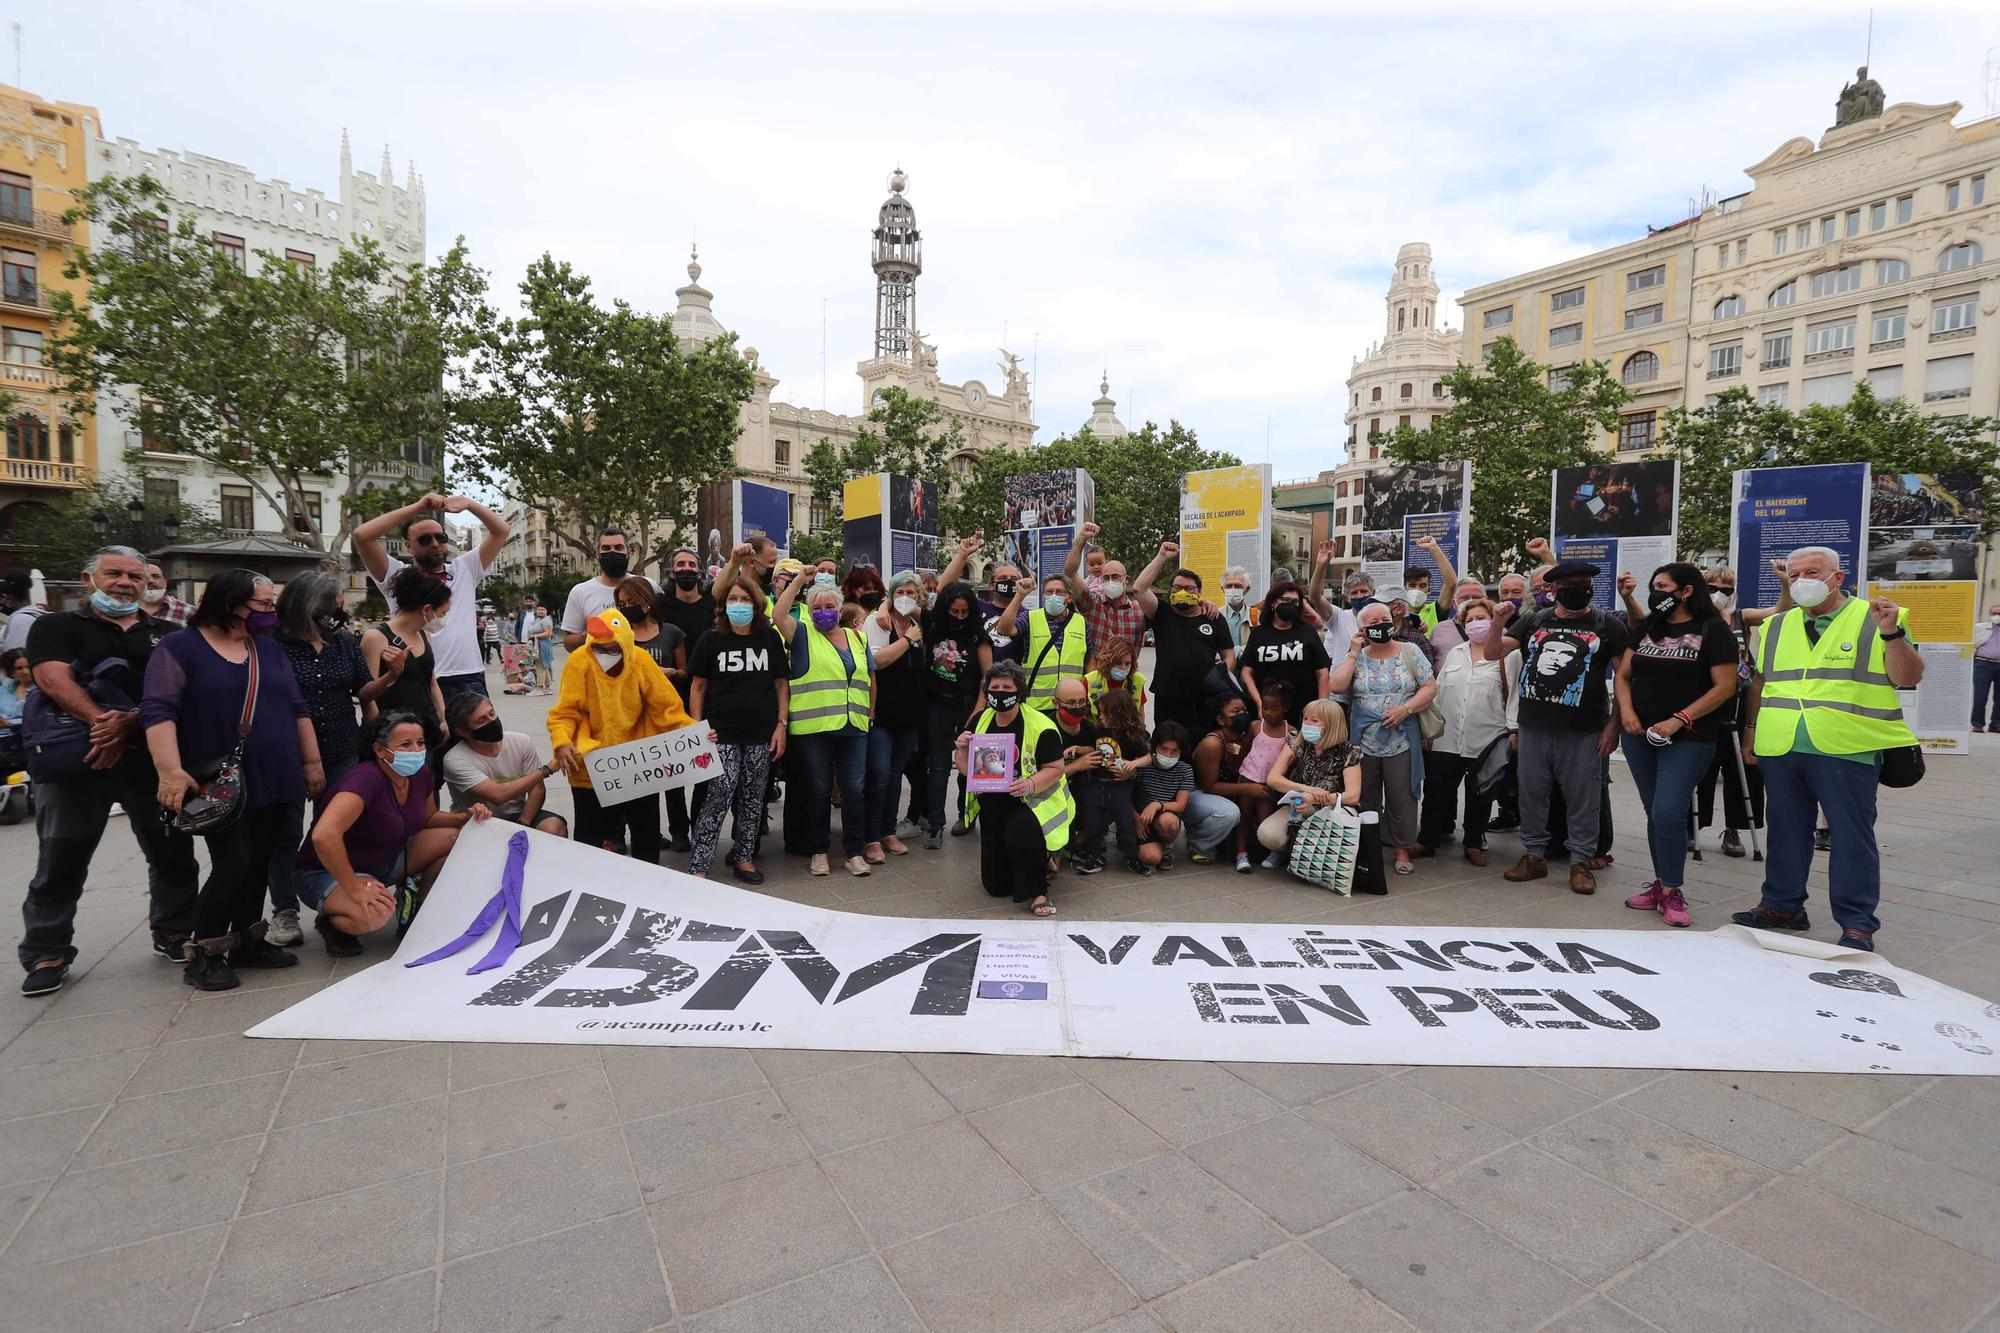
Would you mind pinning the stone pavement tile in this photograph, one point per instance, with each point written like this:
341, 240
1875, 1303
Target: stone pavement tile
782, 1067
603, 1276
295, 1254
1972, 968
1849, 1100
1936, 1200
141, 1126
1066, 1135
1290, 1290
1950, 1138
364, 1083
145, 1287
1702, 1284
514, 1196
68, 1084
1017, 1271
1564, 1215
1297, 1084
94, 994
1162, 1223
1980, 1096
206, 1015
1299, 1174
118, 1205
38, 1147
975, 1082
919, 1181
97, 1034
1599, 1314
1519, 1101
329, 1156
857, 1297
1180, 1100
1135, 1321
1441, 1270
1606, 1083
1908, 1280
404, 1304
16, 1202
1654, 1161
650, 1080
322, 1050
476, 1064
732, 1240
1713, 1107
859, 1105
1406, 1128
712, 1144
189, 1064
529, 1110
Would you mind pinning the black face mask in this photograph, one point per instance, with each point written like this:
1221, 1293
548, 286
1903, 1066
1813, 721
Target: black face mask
613, 563
488, 732
633, 614
1284, 613
687, 578
1573, 597
1355, 604
1380, 633
1000, 703
1663, 603
1004, 589
332, 622
869, 600
1239, 723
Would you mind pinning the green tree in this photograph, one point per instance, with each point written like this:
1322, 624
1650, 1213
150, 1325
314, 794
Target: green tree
1711, 444
1138, 480
1517, 429
277, 373
597, 416
61, 536
906, 435
552, 588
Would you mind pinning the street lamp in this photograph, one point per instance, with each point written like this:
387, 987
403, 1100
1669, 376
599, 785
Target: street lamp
100, 525
135, 510
171, 525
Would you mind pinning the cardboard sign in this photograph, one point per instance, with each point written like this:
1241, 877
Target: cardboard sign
989, 758
681, 758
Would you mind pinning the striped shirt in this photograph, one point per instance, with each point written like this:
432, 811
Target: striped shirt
1161, 784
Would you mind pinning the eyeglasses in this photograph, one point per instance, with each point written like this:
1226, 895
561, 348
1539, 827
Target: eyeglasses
428, 539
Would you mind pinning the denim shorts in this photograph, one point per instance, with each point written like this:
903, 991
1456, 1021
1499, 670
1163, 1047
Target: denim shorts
312, 886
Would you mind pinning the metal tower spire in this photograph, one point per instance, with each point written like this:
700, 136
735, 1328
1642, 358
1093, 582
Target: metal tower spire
898, 259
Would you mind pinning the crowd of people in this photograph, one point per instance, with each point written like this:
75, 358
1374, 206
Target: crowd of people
350, 756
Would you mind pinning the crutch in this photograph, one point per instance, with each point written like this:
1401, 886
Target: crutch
1694, 829
1743, 785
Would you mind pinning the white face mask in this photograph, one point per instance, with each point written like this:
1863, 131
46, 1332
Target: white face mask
1809, 593
1165, 761
1113, 589
1418, 597
906, 606
608, 658
154, 596
1721, 600
1235, 596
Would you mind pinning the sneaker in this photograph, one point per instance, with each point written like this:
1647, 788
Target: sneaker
1528, 867
818, 866
1274, 861
960, 828
1761, 917
210, 971
1201, 858
1137, 867
45, 978
1822, 840
406, 908
1850, 938
858, 866
339, 944
262, 953
1648, 899
284, 928
1242, 864
1166, 858
934, 838
170, 948
1674, 908
1087, 865
1731, 844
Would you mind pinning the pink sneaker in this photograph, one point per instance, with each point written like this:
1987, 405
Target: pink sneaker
1674, 908
1647, 899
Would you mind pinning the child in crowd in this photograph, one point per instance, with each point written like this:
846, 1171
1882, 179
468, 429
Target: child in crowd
1160, 797
1121, 739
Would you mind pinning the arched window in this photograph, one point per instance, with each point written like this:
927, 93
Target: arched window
1641, 368
1782, 296
1401, 314
1960, 256
1375, 394
1408, 389
1437, 388
65, 443
28, 438
1729, 307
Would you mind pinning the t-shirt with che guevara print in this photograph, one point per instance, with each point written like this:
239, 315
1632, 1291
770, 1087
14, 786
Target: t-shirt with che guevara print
1565, 666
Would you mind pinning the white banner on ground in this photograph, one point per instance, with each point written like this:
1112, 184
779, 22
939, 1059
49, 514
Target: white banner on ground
615, 952
652, 764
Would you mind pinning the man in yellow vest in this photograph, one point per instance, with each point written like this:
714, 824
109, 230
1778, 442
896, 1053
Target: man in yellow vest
1028, 824
1823, 708
1057, 643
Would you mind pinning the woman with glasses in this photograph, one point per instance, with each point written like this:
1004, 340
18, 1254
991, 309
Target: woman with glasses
399, 649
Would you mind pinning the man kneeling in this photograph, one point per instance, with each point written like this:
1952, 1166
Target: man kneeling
495, 768
377, 828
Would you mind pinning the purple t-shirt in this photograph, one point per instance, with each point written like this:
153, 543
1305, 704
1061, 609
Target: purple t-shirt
384, 828
201, 692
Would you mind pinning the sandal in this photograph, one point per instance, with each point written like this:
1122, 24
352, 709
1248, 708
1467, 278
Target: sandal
1405, 868
1042, 907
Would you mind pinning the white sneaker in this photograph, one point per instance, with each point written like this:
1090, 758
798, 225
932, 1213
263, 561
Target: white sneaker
1274, 861
1242, 864
817, 866
858, 866
115, 810
283, 929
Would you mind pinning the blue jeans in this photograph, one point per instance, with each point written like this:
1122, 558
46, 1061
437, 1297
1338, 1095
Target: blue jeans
821, 757
474, 681
1666, 776
281, 878
1985, 685
1795, 785
1210, 819
888, 755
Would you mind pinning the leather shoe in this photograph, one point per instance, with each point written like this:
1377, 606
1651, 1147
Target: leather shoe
1476, 855
1419, 852
752, 876
1581, 880
1527, 868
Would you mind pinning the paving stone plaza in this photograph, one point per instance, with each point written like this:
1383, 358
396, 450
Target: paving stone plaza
158, 1170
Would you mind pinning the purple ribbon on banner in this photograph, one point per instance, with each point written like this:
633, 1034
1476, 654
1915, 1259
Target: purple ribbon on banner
507, 901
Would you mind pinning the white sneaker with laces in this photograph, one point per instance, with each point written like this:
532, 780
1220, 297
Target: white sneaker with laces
283, 930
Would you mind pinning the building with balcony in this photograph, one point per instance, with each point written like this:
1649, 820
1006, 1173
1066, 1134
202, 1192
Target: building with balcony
50, 451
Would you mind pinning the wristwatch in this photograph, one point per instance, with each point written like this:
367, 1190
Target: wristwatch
1900, 633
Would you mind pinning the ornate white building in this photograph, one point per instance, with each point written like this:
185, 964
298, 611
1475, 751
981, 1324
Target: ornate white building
1104, 422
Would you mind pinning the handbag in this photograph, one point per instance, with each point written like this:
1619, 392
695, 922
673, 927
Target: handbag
1901, 767
1430, 722
221, 792
53, 743
1324, 848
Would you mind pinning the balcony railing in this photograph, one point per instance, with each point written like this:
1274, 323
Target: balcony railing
15, 375
31, 472
42, 224
24, 296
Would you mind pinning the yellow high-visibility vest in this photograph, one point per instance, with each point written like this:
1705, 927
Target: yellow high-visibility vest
829, 696
1055, 808
1064, 660
1838, 688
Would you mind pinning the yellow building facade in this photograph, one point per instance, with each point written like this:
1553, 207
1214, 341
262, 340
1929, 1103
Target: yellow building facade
49, 452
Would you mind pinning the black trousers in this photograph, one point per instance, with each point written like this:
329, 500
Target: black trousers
69, 823
1013, 861
597, 824
1187, 712
239, 861
1445, 776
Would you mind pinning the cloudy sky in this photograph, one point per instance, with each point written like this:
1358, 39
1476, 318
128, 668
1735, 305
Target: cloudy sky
1208, 203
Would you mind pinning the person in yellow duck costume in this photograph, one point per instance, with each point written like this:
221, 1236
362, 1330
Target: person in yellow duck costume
611, 693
